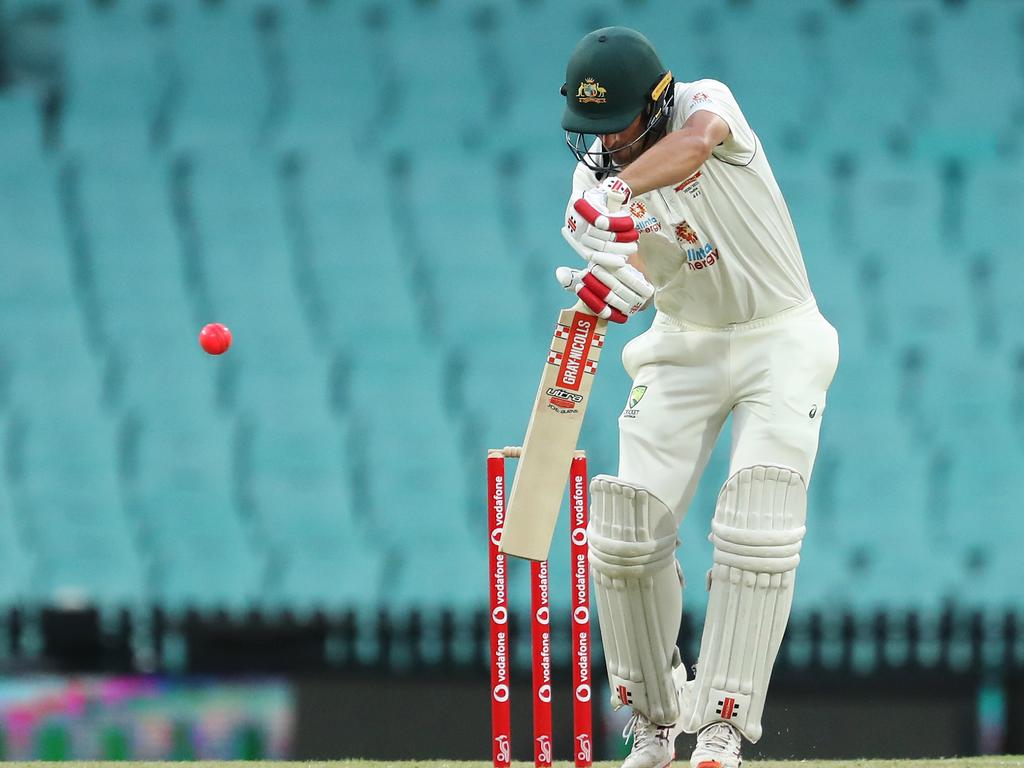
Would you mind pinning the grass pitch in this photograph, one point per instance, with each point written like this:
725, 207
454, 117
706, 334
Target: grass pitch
1007, 761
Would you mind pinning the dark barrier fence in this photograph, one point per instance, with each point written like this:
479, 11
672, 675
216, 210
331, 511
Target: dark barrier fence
891, 684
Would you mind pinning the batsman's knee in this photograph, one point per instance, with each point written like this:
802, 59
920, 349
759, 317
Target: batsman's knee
759, 520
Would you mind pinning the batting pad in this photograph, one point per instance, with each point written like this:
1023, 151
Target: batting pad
757, 531
639, 595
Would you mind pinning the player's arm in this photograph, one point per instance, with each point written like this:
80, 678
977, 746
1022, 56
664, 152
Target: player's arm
678, 155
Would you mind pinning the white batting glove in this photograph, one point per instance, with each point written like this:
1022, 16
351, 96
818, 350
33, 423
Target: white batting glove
614, 295
594, 232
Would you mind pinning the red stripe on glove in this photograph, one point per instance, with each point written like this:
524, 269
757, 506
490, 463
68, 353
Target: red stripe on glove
596, 287
587, 296
599, 307
591, 214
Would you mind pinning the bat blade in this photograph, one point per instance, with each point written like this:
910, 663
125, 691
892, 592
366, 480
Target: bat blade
552, 434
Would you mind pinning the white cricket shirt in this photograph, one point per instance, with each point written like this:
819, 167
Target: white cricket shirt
719, 247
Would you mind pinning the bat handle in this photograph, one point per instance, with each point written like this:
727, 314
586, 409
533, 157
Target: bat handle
615, 201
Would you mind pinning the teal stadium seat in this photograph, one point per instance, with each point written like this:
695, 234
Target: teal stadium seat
66, 492
246, 264
15, 558
993, 231
339, 81
138, 263
113, 77
38, 314
182, 498
224, 92
357, 252
480, 282
318, 540
370, 196
997, 24
805, 183
19, 110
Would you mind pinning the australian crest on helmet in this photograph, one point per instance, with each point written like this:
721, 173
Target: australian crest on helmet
591, 92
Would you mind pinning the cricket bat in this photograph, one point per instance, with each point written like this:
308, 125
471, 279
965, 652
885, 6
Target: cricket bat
554, 429
552, 433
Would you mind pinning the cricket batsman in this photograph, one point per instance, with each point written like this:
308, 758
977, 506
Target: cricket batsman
674, 201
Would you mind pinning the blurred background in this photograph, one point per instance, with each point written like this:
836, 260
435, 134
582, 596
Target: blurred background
281, 552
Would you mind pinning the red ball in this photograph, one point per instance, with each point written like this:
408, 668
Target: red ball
215, 338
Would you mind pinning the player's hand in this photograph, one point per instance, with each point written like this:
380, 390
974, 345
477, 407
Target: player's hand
597, 234
611, 295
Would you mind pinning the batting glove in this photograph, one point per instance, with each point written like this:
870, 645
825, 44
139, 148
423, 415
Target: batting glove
614, 295
594, 232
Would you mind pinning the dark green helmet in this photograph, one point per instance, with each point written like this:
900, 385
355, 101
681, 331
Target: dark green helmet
613, 75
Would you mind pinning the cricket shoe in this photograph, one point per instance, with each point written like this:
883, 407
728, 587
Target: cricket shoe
654, 746
718, 746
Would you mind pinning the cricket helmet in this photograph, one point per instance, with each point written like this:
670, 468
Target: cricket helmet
613, 75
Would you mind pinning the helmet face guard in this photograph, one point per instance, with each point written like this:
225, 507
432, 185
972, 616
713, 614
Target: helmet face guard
658, 111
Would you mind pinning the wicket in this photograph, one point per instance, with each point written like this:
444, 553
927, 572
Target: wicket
540, 631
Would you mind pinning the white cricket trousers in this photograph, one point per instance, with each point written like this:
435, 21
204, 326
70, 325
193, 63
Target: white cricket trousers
772, 374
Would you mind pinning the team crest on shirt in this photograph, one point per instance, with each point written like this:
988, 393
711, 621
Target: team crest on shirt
591, 92
636, 394
685, 233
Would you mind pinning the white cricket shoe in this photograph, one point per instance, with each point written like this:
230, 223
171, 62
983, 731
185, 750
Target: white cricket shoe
654, 746
718, 746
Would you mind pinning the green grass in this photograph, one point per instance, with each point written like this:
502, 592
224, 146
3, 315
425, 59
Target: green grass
1008, 761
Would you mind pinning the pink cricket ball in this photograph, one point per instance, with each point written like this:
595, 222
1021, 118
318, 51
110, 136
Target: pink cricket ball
215, 338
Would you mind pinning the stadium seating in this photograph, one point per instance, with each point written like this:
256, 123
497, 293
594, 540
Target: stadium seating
369, 194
